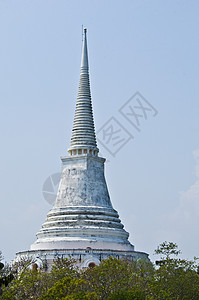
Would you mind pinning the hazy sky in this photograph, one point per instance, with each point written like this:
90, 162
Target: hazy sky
150, 47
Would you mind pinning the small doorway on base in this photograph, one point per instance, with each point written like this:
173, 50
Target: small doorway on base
91, 265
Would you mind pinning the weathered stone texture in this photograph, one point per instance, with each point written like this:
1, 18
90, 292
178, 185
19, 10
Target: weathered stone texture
83, 214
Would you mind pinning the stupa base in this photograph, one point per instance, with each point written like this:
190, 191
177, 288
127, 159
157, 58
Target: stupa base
83, 258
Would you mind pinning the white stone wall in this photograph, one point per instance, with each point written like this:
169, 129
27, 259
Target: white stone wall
83, 183
83, 215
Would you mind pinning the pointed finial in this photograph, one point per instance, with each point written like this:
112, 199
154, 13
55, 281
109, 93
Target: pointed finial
83, 140
84, 62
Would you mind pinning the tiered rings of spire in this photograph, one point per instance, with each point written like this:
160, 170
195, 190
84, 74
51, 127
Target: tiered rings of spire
83, 140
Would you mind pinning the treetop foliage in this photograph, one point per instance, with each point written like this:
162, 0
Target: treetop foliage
167, 249
113, 279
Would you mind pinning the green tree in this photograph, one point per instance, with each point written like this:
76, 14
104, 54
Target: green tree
113, 275
69, 288
32, 284
166, 249
5, 276
63, 267
174, 278
1, 267
127, 295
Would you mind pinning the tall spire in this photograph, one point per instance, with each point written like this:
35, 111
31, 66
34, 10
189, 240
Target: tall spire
82, 223
83, 140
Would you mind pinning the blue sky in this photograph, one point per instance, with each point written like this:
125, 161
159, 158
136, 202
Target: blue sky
150, 47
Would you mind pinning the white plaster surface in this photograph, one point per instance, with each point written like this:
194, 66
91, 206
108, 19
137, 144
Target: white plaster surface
82, 215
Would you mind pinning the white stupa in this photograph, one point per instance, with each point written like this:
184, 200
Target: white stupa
82, 223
